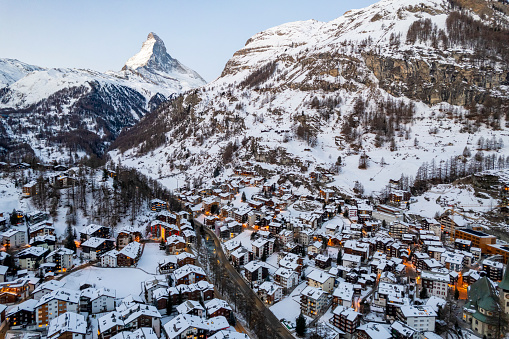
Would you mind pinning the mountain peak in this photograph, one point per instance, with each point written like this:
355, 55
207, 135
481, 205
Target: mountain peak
152, 53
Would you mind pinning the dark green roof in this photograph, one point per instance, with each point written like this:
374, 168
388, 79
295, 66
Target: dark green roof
504, 284
483, 294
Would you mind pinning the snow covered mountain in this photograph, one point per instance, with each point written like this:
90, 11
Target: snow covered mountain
402, 81
153, 64
85, 110
12, 70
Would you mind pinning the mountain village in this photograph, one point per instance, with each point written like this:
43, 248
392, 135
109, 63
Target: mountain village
342, 179
336, 265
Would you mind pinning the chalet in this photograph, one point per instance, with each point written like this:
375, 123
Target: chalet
436, 283
158, 205
373, 330
286, 278
186, 326
241, 256
343, 295
320, 279
323, 261
399, 196
129, 255
285, 236
51, 305
167, 216
31, 257
40, 229
175, 244
22, 315
291, 261
494, 270
230, 246
46, 241
46, 288
313, 301
152, 285
62, 257
94, 247
346, 319
189, 274
167, 265
68, 325
96, 231
93, 300
191, 307
109, 259
30, 189
270, 292
263, 247
218, 307
256, 271
15, 290
451, 223
422, 318
189, 236
129, 317
14, 238
126, 235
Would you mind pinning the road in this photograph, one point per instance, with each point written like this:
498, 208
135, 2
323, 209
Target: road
270, 319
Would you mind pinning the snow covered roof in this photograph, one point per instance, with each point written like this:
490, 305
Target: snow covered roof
225, 334
269, 287
187, 269
255, 265
43, 238
51, 285
35, 251
94, 293
346, 312
11, 232
319, 275
27, 305
62, 294
188, 306
176, 326
93, 242
90, 229
40, 226
344, 291
132, 250
285, 272
376, 330
3, 269
418, 311
216, 304
67, 322
313, 292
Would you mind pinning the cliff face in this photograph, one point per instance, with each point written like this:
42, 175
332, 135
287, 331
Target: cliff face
435, 82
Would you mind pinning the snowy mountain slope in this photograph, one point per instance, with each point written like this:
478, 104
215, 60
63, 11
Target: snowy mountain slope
87, 105
12, 70
393, 80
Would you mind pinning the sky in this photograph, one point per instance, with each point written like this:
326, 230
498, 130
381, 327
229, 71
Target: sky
102, 35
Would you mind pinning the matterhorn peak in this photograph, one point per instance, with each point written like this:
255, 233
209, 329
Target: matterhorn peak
152, 52
154, 63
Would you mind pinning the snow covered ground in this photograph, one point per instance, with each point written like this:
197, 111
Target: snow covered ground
125, 281
152, 255
289, 307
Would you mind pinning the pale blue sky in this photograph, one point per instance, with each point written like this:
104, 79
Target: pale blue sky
102, 35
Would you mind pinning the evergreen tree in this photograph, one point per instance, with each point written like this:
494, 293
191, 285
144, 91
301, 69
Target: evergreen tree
456, 294
424, 293
300, 325
243, 198
339, 259
69, 239
169, 304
